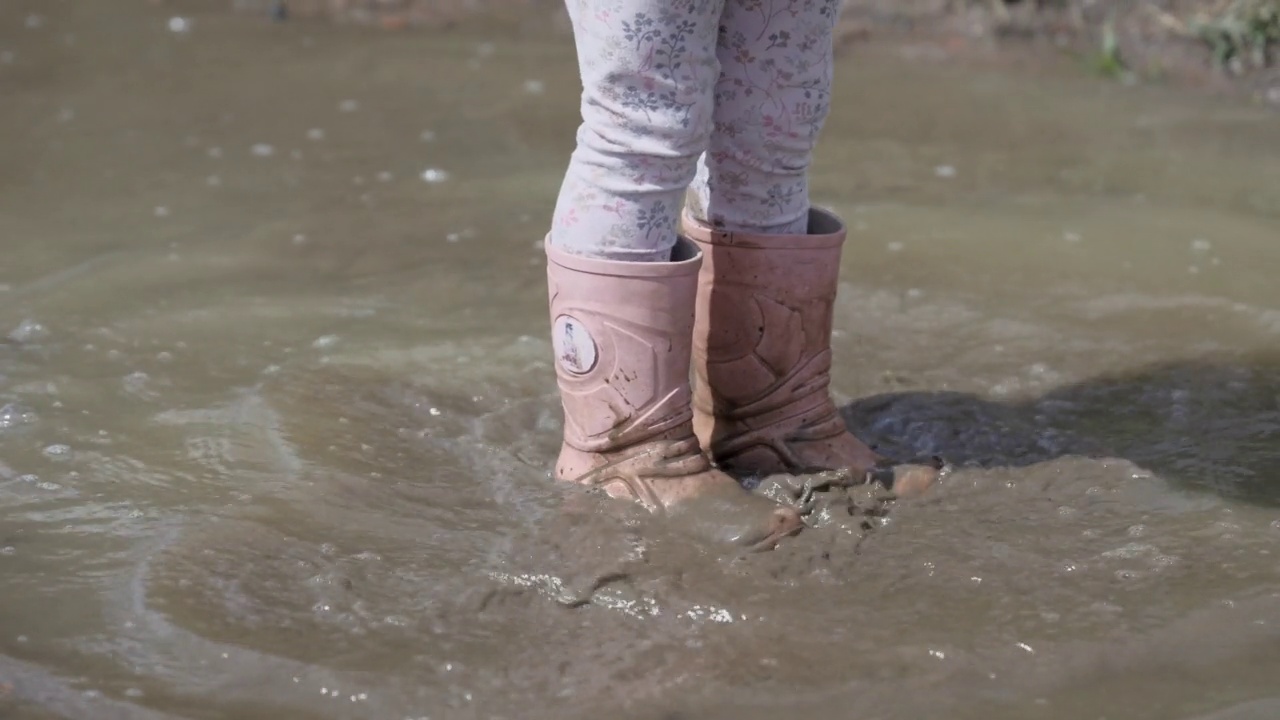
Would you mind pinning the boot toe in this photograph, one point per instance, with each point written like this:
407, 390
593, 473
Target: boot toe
782, 522
906, 479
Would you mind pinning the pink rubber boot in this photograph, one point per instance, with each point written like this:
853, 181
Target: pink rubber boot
762, 357
622, 333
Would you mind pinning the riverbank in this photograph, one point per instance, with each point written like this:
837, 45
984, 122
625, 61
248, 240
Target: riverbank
1220, 46
1230, 46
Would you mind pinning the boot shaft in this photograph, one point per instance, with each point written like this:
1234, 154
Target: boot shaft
621, 333
765, 305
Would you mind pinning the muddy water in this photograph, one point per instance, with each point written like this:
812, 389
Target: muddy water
278, 413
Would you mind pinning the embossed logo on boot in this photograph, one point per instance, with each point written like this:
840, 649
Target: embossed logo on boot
574, 347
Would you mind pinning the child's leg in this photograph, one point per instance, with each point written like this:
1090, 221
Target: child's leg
648, 70
622, 331
767, 288
771, 101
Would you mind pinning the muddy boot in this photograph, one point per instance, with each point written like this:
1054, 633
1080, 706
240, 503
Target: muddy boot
762, 357
621, 332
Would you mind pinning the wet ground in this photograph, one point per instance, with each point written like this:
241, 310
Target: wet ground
278, 412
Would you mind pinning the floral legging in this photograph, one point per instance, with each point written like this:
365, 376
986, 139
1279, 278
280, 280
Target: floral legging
719, 102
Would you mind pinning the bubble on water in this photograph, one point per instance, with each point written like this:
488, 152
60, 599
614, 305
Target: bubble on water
1193, 270
1041, 370
57, 451
7, 57
435, 412
179, 25
161, 211
262, 150
534, 87
896, 246
486, 49
136, 379
28, 331
214, 152
427, 135
213, 181
325, 341
66, 115
1225, 528
316, 134
1136, 530
1071, 237
135, 383
349, 106
164, 356
944, 171
938, 654
1025, 646
1130, 551
299, 239
1201, 245
435, 175
33, 21
453, 237
133, 693
8, 550
13, 415
1107, 607
385, 176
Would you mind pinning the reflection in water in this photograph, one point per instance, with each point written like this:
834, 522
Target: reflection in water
276, 408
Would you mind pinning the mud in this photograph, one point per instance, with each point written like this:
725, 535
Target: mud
277, 414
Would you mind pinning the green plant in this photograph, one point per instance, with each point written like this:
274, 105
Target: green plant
1240, 32
1107, 61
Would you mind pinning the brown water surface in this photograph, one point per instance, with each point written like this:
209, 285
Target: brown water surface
277, 411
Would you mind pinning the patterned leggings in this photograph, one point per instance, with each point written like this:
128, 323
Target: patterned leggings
717, 101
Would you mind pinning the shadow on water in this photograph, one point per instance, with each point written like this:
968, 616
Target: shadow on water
1204, 425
